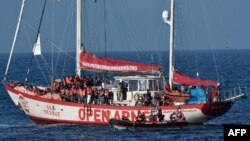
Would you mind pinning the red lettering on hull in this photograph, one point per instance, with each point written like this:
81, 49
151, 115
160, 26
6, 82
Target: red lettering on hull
125, 114
105, 115
97, 115
117, 115
133, 115
81, 114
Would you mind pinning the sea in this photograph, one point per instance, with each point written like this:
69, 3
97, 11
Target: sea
230, 67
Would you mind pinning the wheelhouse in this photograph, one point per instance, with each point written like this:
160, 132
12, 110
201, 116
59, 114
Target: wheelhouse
136, 86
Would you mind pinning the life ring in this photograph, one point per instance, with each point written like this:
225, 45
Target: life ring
173, 116
136, 97
180, 116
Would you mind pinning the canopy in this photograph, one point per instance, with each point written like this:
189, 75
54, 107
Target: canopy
91, 62
187, 80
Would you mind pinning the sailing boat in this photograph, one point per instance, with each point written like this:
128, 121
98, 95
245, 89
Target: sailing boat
81, 110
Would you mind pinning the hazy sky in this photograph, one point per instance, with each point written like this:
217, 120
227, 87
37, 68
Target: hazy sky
128, 24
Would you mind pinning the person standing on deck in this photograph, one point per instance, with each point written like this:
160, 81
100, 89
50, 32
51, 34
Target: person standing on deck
89, 93
119, 92
149, 98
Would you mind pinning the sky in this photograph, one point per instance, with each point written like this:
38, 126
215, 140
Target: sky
127, 25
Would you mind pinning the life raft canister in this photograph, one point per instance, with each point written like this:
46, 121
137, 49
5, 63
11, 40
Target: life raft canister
177, 116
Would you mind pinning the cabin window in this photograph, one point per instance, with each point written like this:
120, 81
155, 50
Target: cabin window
161, 83
142, 85
133, 85
115, 84
153, 85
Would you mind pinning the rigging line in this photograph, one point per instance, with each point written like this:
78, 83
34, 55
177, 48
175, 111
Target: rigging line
98, 31
27, 36
27, 24
64, 31
67, 42
121, 35
105, 35
218, 64
86, 23
35, 57
48, 66
95, 31
228, 44
37, 34
222, 23
108, 33
210, 39
45, 62
156, 43
95, 22
61, 50
125, 26
179, 30
44, 77
105, 29
195, 41
149, 9
52, 47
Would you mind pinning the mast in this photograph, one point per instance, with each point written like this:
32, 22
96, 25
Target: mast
14, 41
170, 21
78, 36
171, 42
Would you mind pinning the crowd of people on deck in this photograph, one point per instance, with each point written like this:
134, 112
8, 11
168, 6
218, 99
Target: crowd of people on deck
72, 89
86, 90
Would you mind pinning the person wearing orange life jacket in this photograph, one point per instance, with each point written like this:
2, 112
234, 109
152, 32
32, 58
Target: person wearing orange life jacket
89, 94
106, 96
83, 95
95, 96
102, 96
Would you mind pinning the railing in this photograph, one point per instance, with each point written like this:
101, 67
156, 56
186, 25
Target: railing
234, 94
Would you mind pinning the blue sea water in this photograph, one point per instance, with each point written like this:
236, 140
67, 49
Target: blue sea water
233, 67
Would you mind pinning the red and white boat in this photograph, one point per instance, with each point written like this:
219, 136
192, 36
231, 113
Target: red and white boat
49, 110
43, 110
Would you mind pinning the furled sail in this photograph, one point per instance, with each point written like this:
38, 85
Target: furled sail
183, 79
37, 46
91, 62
